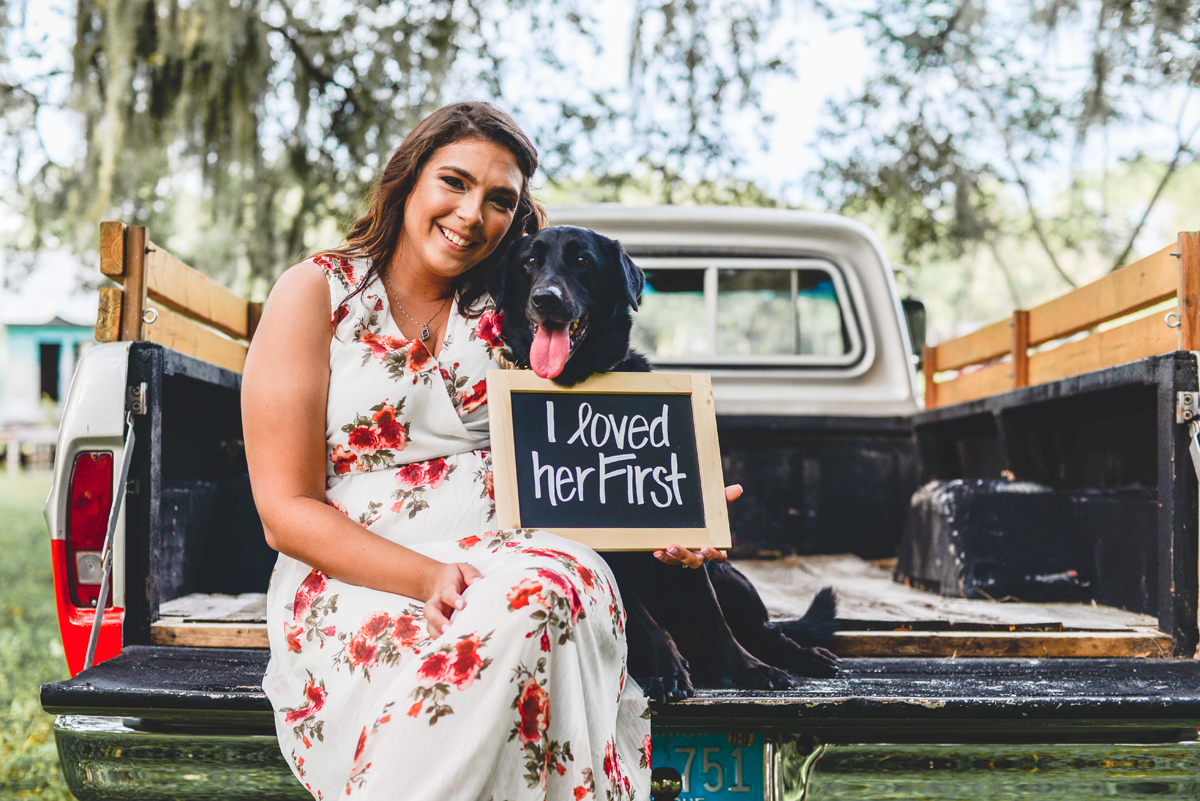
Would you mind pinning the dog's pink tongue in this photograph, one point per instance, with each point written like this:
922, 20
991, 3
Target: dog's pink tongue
549, 351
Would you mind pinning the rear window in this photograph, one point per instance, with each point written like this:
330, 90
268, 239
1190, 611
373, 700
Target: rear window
784, 312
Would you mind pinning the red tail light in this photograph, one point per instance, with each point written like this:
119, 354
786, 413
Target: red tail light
89, 502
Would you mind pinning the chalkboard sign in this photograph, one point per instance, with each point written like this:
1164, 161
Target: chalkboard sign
623, 461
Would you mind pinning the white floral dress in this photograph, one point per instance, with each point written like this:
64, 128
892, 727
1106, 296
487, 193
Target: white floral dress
525, 695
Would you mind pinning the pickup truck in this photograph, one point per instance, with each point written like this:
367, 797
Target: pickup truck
1050, 463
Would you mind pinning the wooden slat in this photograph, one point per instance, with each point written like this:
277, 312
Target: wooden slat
976, 384
1025, 644
254, 312
108, 318
112, 249
1189, 291
1136, 286
193, 339
1044, 645
869, 600
1148, 336
134, 280
990, 342
177, 286
168, 631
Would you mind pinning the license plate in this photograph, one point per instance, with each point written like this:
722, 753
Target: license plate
714, 767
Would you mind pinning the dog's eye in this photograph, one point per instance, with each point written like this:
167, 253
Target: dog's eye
531, 262
582, 261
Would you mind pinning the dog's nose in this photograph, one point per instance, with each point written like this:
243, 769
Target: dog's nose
546, 299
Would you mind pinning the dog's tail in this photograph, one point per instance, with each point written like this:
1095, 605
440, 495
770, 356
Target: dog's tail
819, 624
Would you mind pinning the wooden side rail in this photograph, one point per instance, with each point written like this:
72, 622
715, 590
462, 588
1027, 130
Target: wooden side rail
191, 313
1001, 355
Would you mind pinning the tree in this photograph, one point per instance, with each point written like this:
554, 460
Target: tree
961, 136
268, 118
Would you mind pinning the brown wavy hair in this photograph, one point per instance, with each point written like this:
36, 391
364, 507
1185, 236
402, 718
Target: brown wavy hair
377, 232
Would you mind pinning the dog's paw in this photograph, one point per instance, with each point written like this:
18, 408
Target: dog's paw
668, 688
817, 663
762, 676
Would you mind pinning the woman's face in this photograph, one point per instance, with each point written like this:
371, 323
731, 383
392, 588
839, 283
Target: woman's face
460, 208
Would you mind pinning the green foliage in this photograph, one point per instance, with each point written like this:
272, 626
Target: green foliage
262, 122
30, 649
977, 109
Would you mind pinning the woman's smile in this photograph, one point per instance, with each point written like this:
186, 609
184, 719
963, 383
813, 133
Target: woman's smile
460, 208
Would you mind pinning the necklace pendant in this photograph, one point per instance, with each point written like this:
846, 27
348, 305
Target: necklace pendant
425, 333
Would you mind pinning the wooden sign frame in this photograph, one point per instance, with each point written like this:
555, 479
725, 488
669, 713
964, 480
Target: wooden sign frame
715, 534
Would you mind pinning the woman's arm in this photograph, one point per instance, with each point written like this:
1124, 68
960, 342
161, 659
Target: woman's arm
285, 388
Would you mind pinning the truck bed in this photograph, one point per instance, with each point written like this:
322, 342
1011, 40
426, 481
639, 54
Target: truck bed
878, 617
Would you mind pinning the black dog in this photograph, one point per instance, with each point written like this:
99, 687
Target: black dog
566, 294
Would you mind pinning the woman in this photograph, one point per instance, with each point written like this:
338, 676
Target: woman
416, 654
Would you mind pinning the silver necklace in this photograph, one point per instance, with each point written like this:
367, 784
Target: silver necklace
387, 286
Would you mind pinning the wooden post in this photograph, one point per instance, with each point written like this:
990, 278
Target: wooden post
1189, 291
253, 315
108, 317
112, 249
135, 283
1020, 348
929, 367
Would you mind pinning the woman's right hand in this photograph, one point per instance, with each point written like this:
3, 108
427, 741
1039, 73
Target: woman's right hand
442, 588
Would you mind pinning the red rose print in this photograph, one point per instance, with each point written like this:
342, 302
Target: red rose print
465, 663
291, 635
610, 760
491, 486
418, 358
343, 460
534, 706
519, 595
315, 695
379, 304
469, 542
566, 589
436, 471
336, 504
363, 439
339, 314
380, 344
411, 475
435, 668
476, 398
415, 709
580, 792
545, 641
361, 651
398, 505
406, 634
586, 575
313, 585
375, 624
489, 326
362, 741
328, 631
393, 435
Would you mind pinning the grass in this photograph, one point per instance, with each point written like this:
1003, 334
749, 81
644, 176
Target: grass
30, 650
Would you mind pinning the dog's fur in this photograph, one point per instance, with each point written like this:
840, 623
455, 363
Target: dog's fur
710, 624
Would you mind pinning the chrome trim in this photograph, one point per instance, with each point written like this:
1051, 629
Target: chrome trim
105, 758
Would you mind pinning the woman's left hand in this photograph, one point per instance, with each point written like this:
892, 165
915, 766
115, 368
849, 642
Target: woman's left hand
678, 555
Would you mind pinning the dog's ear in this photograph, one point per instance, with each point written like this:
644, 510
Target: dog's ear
499, 274
635, 279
